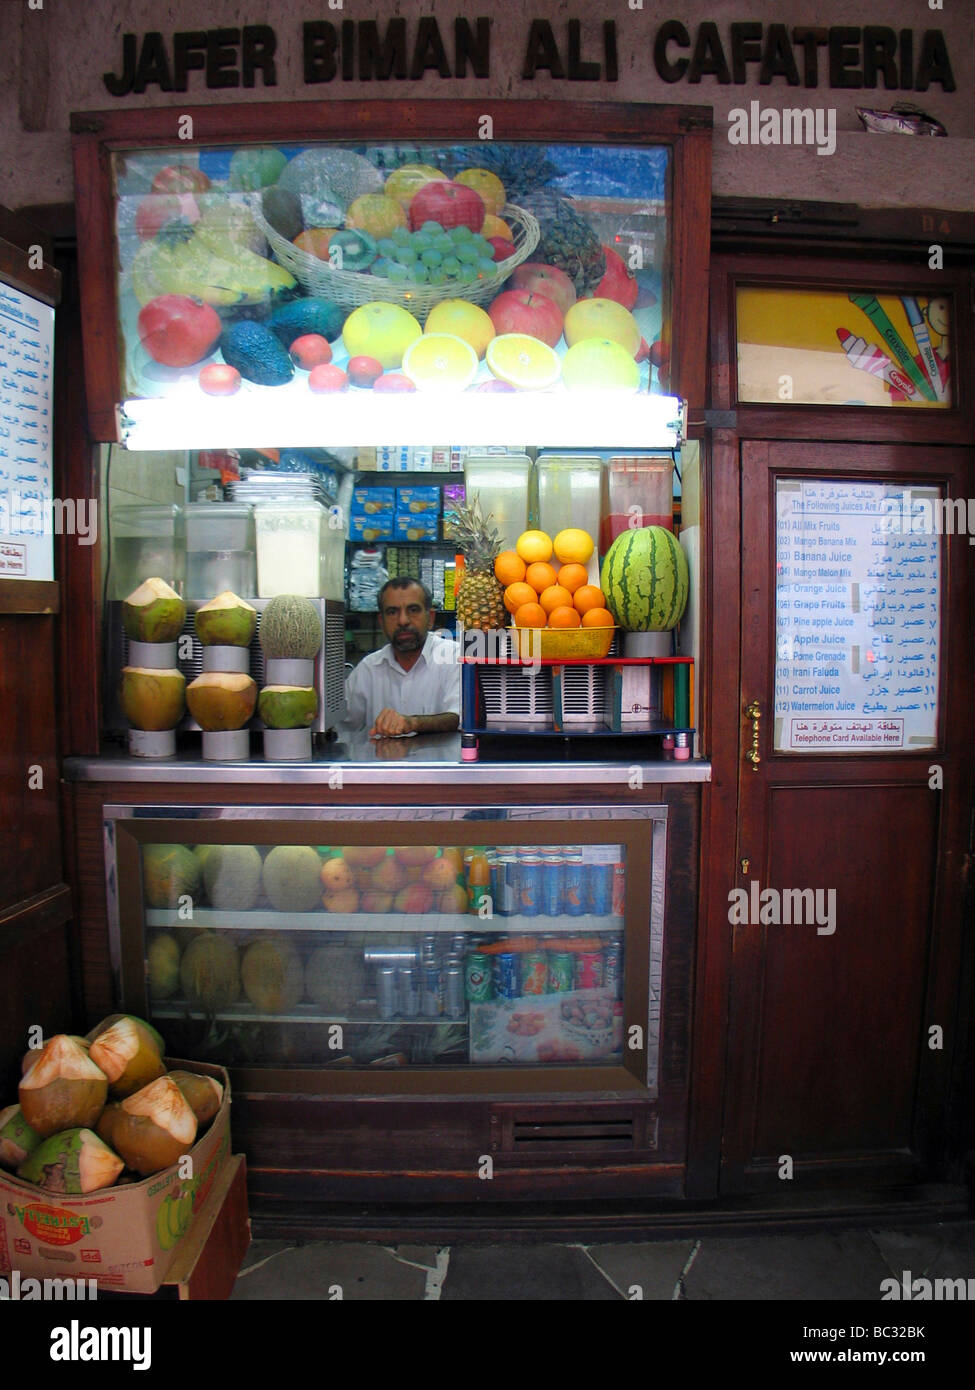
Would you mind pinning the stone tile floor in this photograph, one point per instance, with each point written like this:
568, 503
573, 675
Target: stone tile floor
844, 1265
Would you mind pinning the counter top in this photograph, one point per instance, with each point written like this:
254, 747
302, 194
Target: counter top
420, 761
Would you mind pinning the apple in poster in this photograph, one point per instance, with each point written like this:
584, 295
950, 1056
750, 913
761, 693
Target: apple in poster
545, 279
450, 204
521, 311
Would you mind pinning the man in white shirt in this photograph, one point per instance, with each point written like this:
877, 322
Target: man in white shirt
412, 685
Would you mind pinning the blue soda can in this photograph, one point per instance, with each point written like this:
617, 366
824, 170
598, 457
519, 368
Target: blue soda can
529, 894
613, 966
506, 975
601, 889
574, 902
552, 868
498, 887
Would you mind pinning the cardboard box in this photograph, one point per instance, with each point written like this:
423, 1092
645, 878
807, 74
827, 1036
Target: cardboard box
418, 501
112, 1236
377, 526
209, 1257
373, 499
416, 528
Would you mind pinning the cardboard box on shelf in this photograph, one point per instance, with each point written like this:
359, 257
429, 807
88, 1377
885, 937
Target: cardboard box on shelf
374, 499
420, 501
210, 1256
122, 1237
376, 526
416, 528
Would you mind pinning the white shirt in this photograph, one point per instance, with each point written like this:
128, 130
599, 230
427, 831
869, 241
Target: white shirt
431, 686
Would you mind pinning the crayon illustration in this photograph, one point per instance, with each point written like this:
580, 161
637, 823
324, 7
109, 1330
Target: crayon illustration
869, 358
922, 341
869, 305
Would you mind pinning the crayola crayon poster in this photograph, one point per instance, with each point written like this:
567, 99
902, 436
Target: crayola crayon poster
814, 347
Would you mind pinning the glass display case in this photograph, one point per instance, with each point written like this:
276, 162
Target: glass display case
426, 941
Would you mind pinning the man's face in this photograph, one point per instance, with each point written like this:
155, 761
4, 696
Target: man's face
405, 618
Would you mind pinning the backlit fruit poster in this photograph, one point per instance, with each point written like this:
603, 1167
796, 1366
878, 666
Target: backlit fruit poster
813, 347
395, 268
857, 615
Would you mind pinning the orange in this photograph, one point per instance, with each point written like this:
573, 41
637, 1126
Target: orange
564, 617
315, 241
534, 545
573, 577
554, 597
589, 596
530, 615
509, 567
496, 226
517, 594
598, 617
573, 544
540, 576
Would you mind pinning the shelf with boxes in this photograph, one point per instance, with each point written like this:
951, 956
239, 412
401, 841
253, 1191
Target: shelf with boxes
608, 696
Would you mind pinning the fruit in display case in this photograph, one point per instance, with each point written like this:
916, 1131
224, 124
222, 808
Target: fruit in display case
364, 372
523, 312
408, 179
180, 178
448, 204
232, 877
169, 873
221, 700
256, 353
389, 876
311, 315
287, 706
375, 213
290, 629
129, 1055
162, 965
209, 972
453, 900
487, 185
153, 1128
203, 261
480, 597
17, 1139
328, 178
336, 875
600, 364
394, 382
440, 874
282, 209
291, 878
72, 1162
327, 378
602, 318
646, 580
204, 1094
217, 379
310, 350
464, 320
156, 209
619, 282
364, 856
415, 856
154, 612
226, 620
502, 247
315, 241
379, 330
352, 249
335, 977
522, 362
256, 167
440, 362
344, 901
63, 1089
414, 898
272, 975
537, 278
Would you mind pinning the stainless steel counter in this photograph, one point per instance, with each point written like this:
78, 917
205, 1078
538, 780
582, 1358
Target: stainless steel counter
423, 761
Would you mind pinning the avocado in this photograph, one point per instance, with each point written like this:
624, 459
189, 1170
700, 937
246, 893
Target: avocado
282, 208
256, 353
302, 316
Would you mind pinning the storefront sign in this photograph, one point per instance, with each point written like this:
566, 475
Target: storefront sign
26, 360
363, 50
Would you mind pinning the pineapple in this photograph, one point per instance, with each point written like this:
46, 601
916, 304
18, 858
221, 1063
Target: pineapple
480, 598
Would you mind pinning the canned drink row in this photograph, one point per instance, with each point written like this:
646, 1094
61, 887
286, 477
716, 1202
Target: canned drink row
517, 974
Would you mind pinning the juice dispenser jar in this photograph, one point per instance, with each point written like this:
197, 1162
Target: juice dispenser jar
568, 492
500, 482
290, 539
148, 542
638, 490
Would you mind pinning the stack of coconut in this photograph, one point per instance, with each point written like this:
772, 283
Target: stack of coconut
223, 698
153, 689
102, 1110
291, 638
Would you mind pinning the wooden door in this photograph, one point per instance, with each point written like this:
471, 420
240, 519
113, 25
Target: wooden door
832, 1061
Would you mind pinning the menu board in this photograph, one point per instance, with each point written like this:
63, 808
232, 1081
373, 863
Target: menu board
26, 363
858, 616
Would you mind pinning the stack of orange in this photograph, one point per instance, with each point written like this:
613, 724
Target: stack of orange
539, 593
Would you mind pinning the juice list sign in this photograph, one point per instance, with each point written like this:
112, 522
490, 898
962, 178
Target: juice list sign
26, 362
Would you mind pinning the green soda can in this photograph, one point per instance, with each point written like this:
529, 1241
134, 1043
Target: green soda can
561, 972
534, 972
477, 977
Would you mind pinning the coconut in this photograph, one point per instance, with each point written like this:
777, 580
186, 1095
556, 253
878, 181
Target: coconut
64, 1089
162, 963
232, 877
74, 1161
169, 872
209, 972
17, 1139
106, 1121
153, 613
155, 1127
272, 975
226, 621
110, 1022
32, 1053
287, 706
152, 700
128, 1055
220, 700
203, 1093
292, 879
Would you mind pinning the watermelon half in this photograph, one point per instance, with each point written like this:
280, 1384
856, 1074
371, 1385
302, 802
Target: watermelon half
646, 580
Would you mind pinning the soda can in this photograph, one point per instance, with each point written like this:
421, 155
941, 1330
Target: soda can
561, 972
574, 886
430, 990
477, 977
534, 972
455, 1005
460, 944
386, 977
589, 969
600, 878
613, 966
506, 975
530, 886
619, 890
409, 994
499, 869
552, 867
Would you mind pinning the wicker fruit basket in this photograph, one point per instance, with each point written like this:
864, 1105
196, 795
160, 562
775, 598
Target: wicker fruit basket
587, 643
351, 288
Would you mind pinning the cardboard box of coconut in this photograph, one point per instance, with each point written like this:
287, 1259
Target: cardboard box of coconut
124, 1237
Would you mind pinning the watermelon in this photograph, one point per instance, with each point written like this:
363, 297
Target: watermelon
646, 580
